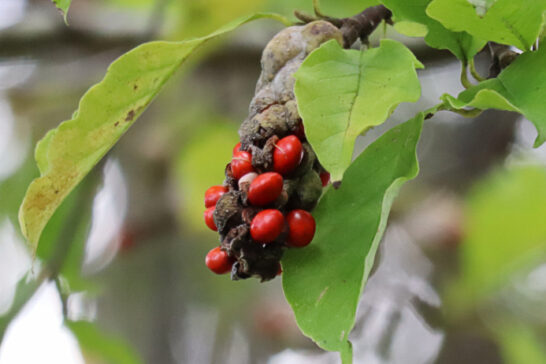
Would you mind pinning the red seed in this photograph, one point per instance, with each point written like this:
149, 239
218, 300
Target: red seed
325, 178
218, 261
241, 164
301, 228
209, 220
266, 226
213, 194
287, 154
265, 188
236, 148
300, 131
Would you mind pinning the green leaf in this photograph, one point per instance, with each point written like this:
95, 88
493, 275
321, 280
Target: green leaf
461, 44
70, 221
519, 344
63, 6
324, 281
106, 111
24, 291
504, 232
343, 93
520, 87
513, 22
104, 347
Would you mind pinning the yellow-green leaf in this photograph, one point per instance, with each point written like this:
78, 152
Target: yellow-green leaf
106, 111
342, 93
513, 22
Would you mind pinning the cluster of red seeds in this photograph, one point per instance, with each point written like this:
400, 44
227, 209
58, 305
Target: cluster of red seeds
274, 178
263, 190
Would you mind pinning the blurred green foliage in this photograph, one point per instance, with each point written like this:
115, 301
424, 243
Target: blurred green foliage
102, 347
200, 164
505, 231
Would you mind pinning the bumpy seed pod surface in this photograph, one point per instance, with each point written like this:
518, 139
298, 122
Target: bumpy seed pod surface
273, 115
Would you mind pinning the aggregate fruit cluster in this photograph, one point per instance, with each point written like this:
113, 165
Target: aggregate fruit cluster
274, 178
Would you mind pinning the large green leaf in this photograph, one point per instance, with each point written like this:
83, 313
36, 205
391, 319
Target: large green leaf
504, 232
520, 87
342, 93
461, 44
324, 281
513, 22
103, 347
66, 154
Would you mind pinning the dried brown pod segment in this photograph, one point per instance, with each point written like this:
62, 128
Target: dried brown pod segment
273, 114
228, 211
256, 260
235, 239
262, 158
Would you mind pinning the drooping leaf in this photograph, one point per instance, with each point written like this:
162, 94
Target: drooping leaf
63, 6
324, 281
519, 87
106, 111
343, 93
102, 346
513, 22
461, 44
504, 232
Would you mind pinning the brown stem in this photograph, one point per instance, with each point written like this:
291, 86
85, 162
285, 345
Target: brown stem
358, 26
363, 24
501, 56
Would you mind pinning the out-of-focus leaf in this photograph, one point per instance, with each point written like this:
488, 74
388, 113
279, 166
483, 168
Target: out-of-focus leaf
106, 111
24, 291
335, 8
461, 44
104, 347
519, 344
343, 93
520, 87
505, 231
513, 22
78, 216
12, 189
63, 6
201, 164
323, 281
201, 17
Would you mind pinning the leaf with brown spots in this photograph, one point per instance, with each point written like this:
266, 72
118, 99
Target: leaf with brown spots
66, 154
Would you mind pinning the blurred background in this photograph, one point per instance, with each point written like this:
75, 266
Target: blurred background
461, 273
